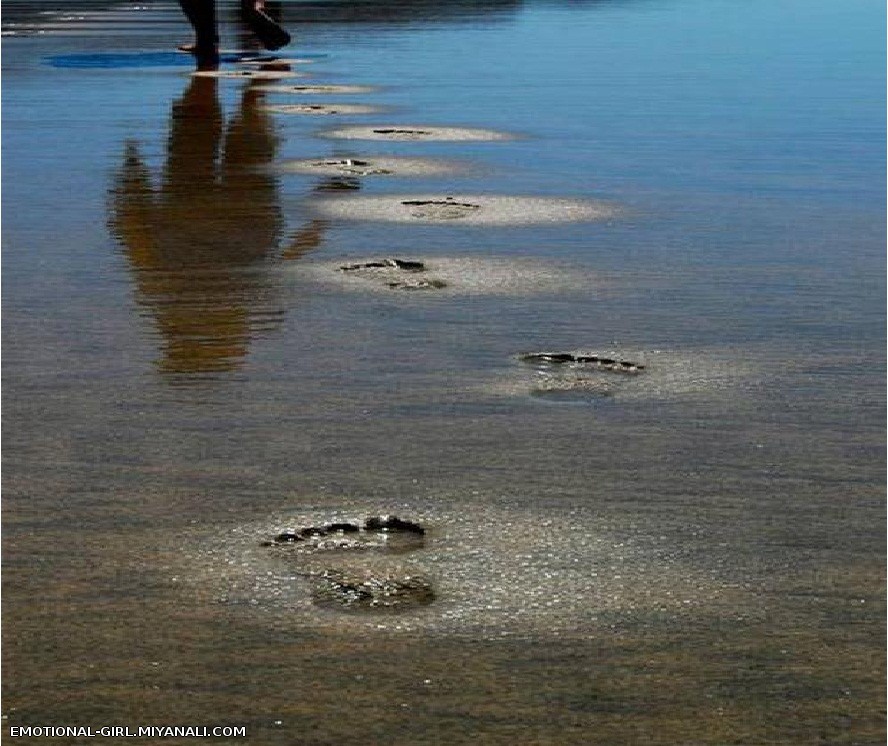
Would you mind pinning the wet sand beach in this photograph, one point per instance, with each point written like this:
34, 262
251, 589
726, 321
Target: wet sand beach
591, 292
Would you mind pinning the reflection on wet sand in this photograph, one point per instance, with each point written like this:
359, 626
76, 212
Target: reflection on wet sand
201, 242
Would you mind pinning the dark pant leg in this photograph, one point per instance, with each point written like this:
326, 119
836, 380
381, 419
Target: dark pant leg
202, 16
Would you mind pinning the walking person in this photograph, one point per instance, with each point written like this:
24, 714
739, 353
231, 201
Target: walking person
201, 14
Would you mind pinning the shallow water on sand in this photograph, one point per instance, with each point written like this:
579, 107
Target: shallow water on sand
692, 554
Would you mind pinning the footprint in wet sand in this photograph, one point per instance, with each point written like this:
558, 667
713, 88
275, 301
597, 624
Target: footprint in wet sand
348, 587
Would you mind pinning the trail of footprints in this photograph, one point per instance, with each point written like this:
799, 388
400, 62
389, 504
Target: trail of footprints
340, 586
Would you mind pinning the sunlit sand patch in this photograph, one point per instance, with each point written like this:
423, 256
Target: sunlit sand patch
452, 276
409, 132
318, 89
249, 74
321, 109
262, 60
482, 571
480, 209
659, 374
382, 590
369, 166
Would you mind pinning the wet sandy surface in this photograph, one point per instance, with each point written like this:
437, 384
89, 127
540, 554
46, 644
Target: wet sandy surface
666, 374
263, 60
322, 109
496, 574
466, 209
249, 74
319, 90
415, 133
371, 166
447, 276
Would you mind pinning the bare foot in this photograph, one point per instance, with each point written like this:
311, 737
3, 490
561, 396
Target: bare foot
207, 59
207, 65
190, 47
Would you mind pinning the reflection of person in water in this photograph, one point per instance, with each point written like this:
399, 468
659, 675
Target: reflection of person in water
201, 14
200, 242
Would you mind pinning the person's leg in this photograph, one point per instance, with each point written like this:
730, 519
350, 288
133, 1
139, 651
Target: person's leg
263, 22
202, 16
